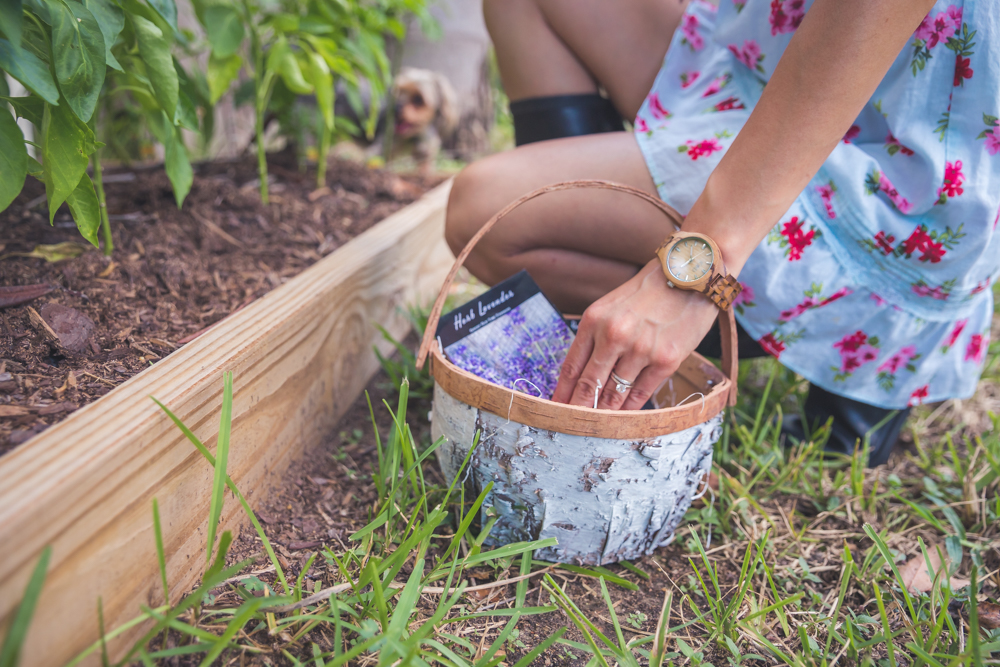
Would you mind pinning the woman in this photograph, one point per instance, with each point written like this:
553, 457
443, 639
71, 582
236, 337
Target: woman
843, 155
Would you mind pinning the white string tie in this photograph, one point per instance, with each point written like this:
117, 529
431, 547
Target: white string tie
697, 393
512, 387
597, 393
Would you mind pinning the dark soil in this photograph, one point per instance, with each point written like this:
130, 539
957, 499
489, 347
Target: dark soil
173, 272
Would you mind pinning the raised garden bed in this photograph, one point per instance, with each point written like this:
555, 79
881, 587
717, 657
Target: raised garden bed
300, 356
173, 273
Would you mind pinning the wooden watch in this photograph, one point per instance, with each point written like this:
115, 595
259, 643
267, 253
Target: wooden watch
693, 261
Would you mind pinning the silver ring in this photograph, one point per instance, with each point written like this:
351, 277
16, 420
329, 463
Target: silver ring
621, 385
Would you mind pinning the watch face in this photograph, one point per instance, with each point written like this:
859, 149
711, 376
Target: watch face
690, 259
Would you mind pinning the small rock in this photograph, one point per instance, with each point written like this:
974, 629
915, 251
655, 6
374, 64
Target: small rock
71, 326
21, 436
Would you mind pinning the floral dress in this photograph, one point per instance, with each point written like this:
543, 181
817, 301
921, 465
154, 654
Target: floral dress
876, 283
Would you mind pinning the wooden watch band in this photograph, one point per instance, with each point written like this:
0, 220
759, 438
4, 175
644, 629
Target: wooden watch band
722, 289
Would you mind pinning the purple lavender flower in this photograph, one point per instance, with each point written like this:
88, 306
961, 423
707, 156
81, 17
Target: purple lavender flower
523, 350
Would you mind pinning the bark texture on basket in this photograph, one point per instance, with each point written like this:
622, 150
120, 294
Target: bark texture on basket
603, 499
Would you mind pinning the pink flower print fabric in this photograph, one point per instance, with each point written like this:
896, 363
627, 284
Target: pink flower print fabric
696, 149
786, 15
876, 283
689, 27
749, 54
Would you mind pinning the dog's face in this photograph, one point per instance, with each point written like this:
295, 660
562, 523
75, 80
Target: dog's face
416, 108
423, 98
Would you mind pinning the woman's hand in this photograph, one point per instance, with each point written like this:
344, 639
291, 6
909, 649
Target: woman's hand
642, 331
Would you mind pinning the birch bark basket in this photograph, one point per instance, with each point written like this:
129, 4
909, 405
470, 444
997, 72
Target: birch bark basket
609, 485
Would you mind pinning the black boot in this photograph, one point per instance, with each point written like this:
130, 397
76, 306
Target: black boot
557, 116
852, 420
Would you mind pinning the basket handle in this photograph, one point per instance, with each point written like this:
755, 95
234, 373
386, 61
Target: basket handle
727, 322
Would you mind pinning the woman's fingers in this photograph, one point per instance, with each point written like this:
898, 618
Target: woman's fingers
648, 381
593, 378
576, 360
629, 369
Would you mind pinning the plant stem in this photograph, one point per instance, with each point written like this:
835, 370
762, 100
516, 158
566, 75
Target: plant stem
261, 156
324, 148
109, 244
260, 101
390, 103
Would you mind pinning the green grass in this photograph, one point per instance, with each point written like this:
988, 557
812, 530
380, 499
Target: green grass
797, 559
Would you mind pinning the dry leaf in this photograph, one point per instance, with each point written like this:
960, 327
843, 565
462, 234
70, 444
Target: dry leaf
15, 295
72, 327
53, 253
916, 577
989, 615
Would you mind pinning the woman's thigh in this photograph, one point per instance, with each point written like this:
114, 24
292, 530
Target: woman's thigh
549, 47
577, 244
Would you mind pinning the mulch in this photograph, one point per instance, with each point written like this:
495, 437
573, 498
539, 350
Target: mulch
173, 272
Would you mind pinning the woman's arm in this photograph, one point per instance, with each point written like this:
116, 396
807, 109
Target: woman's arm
829, 71
832, 65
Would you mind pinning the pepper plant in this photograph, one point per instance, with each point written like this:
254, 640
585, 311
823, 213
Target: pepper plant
302, 47
63, 52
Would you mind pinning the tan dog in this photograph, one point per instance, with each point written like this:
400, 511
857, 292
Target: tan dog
426, 111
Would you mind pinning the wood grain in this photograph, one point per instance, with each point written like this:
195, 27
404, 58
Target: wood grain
300, 356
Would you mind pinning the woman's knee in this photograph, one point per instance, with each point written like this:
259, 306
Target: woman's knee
466, 212
472, 202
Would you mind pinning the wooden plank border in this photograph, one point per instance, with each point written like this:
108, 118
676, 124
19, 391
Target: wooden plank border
300, 355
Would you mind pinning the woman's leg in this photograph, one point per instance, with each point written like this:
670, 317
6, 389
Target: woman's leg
559, 47
578, 244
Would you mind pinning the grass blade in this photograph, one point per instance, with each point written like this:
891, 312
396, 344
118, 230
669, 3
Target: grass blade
160, 553
221, 461
10, 653
203, 450
529, 658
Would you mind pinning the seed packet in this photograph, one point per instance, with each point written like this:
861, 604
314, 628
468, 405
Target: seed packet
510, 335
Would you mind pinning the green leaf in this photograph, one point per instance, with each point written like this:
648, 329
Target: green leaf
27, 68
13, 159
282, 60
66, 146
111, 20
29, 108
167, 10
11, 16
187, 114
322, 81
10, 652
154, 47
224, 28
78, 52
178, 165
86, 211
221, 73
